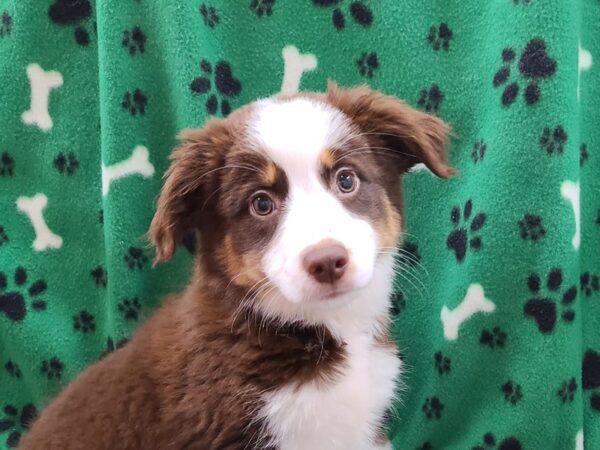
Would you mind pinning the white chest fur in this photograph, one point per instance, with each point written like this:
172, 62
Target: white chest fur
340, 415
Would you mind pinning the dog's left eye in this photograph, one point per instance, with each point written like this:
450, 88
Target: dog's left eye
346, 181
262, 204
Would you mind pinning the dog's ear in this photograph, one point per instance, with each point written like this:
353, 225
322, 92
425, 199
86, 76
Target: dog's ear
190, 176
414, 136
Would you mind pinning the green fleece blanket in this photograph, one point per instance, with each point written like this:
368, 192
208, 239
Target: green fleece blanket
497, 303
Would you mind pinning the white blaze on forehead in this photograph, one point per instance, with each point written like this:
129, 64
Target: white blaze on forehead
294, 132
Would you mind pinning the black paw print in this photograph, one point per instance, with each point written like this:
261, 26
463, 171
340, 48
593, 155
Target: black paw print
530, 227
431, 99
111, 347
134, 40
534, 66
553, 140
367, 64
227, 86
130, 308
13, 369
566, 391
134, 102
478, 152
101, 217
72, 12
12, 303
5, 24
589, 283
458, 240
591, 377
543, 309
493, 339
66, 164
3, 236
398, 303
209, 15
7, 165
359, 11
135, 258
433, 407
425, 446
489, 443
16, 423
439, 37
52, 368
583, 154
100, 276
598, 218
442, 363
408, 254
262, 7
84, 322
521, 2
512, 392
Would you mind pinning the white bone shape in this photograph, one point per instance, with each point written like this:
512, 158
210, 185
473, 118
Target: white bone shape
33, 207
570, 192
579, 444
474, 302
41, 84
137, 163
294, 65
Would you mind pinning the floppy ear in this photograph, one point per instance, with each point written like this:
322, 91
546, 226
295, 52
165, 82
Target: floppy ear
190, 175
418, 136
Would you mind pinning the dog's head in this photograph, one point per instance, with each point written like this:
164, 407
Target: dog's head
297, 199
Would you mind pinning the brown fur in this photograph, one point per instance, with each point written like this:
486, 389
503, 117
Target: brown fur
193, 375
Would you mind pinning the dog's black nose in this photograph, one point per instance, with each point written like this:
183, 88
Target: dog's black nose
326, 262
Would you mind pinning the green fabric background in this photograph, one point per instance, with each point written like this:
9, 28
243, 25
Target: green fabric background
503, 383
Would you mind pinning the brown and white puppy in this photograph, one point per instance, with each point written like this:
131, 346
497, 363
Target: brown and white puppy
280, 340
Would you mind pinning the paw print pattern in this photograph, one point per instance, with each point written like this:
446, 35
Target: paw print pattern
209, 15
478, 152
367, 64
512, 391
496, 338
134, 40
439, 37
84, 322
359, 11
52, 368
130, 308
431, 99
531, 227
13, 369
598, 218
590, 380
489, 443
521, 2
17, 422
12, 304
589, 283
3, 236
534, 65
458, 240
226, 84
543, 310
135, 258
425, 446
100, 276
101, 217
398, 303
66, 164
443, 364
583, 154
7, 165
566, 391
5, 24
134, 102
262, 7
432, 408
68, 13
553, 140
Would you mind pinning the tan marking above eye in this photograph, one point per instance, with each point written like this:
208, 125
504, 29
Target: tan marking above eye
269, 174
327, 159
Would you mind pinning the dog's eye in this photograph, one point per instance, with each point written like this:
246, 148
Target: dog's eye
262, 204
346, 181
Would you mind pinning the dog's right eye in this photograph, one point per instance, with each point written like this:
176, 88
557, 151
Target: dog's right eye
262, 204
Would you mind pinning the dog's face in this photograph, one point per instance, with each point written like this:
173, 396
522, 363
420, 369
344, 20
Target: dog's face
297, 199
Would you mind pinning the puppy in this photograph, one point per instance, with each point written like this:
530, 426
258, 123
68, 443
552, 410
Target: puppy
280, 341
